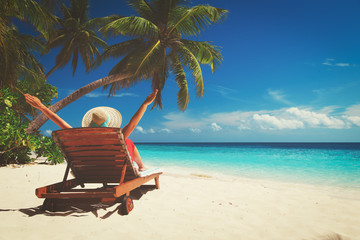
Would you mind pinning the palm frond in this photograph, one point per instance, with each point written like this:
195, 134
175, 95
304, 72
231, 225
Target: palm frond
29, 74
66, 12
146, 58
95, 52
74, 61
144, 9
204, 52
17, 58
65, 54
180, 78
56, 41
32, 12
154, 66
85, 56
98, 41
79, 9
164, 9
189, 60
159, 75
191, 21
97, 23
29, 42
117, 50
77, 36
130, 26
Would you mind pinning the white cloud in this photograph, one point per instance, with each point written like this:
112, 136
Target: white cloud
143, 131
268, 122
317, 119
352, 114
281, 119
215, 127
195, 130
278, 96
231, 118
354, 119
328, 61
166, 130
332, 62
48, 132
342, 64
353, 110
140, 129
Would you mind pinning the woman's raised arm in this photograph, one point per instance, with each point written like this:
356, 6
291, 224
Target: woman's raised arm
127, 130
35, 102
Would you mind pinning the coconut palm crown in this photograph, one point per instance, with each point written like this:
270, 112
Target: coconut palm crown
77, 36
157, 47
17, 59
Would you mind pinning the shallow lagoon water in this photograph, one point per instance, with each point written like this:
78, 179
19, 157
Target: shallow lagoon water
334, 164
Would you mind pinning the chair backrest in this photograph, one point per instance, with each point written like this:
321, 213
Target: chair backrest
95, 155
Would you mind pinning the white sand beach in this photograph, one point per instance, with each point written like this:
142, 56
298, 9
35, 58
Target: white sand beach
187, 206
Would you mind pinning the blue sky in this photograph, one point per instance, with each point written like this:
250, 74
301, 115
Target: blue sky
291, 73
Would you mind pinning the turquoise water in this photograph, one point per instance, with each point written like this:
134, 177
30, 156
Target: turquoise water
335, 164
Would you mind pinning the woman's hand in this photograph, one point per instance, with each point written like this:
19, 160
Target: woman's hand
150, 98
33, 101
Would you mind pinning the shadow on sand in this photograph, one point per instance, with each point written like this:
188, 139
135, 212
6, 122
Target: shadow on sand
80, 207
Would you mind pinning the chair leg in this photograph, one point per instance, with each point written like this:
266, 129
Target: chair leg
157, 183
49, 204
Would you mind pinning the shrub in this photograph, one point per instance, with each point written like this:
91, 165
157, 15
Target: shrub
15, 144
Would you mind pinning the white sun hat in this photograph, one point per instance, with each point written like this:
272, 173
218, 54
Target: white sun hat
106, 116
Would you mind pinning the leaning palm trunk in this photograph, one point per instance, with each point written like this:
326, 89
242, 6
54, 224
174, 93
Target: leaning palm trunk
42, 118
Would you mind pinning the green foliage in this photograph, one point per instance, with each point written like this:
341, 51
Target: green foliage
157, 47
15, 144
77, 36
17, 50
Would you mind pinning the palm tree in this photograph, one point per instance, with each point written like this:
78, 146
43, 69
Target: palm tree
77, 36
17, 61
16, 50
157, 46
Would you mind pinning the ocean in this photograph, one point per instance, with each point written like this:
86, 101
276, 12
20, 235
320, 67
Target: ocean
332, 164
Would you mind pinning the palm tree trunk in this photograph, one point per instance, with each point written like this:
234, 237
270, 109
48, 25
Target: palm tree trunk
42, 118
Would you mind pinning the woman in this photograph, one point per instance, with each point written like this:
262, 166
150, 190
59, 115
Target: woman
101, 117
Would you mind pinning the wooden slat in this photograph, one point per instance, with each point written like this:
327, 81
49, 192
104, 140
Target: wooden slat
107, 179
69, 137
100, 147
100, 172
97, 158
97, 161
90, 142
79, 131
96, 153
102, 179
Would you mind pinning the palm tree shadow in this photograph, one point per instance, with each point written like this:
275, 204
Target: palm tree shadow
81, 207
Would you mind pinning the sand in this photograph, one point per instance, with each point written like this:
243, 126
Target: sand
189, 205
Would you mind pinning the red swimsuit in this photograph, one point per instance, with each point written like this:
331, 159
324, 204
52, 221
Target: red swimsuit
130, 146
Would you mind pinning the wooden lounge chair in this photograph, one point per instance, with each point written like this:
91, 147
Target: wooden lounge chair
95, 155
